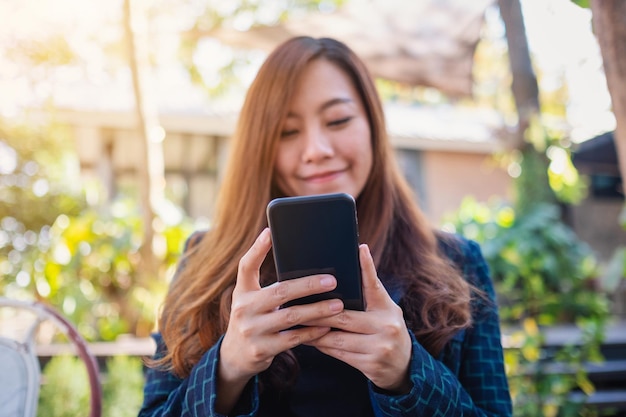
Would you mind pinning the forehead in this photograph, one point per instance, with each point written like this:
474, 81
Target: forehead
323, 80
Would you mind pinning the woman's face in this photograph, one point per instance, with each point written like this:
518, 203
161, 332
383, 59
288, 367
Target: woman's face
325, 144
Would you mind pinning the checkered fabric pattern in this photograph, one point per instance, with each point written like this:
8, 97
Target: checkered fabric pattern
467, 379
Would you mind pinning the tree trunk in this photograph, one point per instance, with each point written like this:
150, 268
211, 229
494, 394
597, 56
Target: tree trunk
533, 185
524, 84
609, 25
151, 168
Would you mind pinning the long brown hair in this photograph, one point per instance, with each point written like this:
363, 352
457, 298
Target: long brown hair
196, 311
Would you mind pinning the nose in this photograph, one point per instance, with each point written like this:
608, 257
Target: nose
317, 146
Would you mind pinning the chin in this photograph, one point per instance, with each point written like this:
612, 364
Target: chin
330, 188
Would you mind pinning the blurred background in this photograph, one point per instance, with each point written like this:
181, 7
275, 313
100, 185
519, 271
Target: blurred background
116, 117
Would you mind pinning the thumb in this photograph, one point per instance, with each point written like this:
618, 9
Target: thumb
374, 292
249, 265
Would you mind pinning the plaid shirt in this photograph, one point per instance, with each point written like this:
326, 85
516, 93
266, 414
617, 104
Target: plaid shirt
467, 379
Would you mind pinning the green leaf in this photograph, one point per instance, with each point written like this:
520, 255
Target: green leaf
582, 3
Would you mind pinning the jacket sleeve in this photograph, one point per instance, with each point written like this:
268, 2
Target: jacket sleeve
166, 395
481, 387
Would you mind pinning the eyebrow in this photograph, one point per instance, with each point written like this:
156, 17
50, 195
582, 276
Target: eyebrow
329, 103
335, 101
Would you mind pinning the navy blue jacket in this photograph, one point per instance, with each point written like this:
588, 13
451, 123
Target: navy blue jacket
466, 379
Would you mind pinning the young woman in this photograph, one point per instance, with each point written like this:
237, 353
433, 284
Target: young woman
428, 343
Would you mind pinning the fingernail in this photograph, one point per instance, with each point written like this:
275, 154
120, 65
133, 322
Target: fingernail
327, 281
367, 250
336, 305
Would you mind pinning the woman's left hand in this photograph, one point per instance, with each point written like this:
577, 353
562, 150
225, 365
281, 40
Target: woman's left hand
375, 341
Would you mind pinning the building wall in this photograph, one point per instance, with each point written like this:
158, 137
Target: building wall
596, 221
451, 176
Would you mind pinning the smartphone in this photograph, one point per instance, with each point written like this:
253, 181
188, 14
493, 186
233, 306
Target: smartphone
318, 235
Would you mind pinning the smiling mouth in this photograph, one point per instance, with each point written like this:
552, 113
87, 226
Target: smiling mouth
323, 176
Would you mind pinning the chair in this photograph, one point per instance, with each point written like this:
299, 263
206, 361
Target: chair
20, 372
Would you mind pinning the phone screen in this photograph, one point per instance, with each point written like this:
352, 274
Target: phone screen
318, 235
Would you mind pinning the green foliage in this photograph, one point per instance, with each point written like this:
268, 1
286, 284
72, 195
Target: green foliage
533, 185
51, 51
65, 388
582, 3
615, 272
89, 266
544, 275
253, 13
546, 172
567, 184
33, 192
82, 260
541, 378
123, 387
542, 270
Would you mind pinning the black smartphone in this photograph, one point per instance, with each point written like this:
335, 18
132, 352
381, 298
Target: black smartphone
318, 235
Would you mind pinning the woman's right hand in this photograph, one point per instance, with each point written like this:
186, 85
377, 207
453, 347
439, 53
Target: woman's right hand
259, 329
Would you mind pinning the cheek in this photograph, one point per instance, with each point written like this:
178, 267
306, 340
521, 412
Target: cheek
361, 145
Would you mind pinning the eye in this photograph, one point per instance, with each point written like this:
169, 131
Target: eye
339, 122
288, 133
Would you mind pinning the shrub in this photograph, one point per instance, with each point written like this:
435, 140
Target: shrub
544, 275
65, 388
123, 387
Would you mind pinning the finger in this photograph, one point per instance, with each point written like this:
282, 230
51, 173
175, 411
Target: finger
350, 321
358, 360
295, 337
249, 264
281, 292
374, 292
344, 341
385, 371
289, 317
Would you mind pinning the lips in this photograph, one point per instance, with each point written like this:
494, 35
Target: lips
323, 176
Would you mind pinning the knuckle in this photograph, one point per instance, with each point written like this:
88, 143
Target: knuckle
237, 311
387, 350
295, 340
258, 354
281, 290
338, 341
378, 373
394, 329
246, 331
243, 267
343, 318
292, 316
